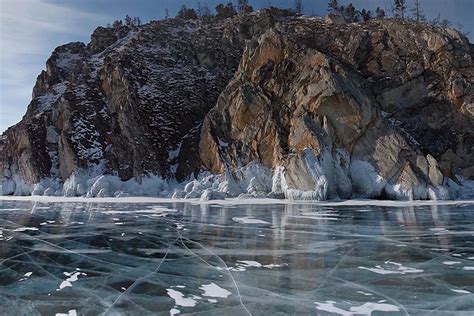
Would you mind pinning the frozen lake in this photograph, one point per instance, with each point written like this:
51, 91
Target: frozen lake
209, 259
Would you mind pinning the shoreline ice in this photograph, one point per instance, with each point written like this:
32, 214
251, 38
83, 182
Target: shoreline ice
231, 201
251, 183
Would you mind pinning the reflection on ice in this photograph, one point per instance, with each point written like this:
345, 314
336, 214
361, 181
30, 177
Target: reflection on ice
179, 258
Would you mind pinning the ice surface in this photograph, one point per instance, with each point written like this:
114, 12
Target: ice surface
169, 257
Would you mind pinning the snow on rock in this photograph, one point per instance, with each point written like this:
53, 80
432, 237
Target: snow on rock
365, 180
326, 174
81, 184
311, 175
209, 194
38, 189
179, 194
230, 185
463, 191
51, 135
14, 185
7, 187
314, 177
46, 101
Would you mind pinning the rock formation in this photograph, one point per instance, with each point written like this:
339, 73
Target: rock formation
300, 107
342, 107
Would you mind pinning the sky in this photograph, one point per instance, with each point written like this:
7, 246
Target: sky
31, 29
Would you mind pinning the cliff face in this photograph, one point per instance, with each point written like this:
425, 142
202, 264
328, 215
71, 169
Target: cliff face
130, 102
383, 108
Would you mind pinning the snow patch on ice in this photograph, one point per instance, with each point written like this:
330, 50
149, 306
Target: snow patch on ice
249, 220
72, 277
179, 298
71, 312
24, 229
450, 263
242, 265
249, 263
364, 309
174, 311
392, 268
461, 291
213, 290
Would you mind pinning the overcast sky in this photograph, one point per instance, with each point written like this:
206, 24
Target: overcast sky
31, 29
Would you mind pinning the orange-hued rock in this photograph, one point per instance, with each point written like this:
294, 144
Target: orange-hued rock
332, 92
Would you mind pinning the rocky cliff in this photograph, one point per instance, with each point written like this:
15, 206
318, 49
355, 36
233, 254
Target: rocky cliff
299, 107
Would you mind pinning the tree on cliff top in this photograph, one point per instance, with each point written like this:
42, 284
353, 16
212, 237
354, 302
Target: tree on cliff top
333, 6
204, 12
379, 13
399, 9
243, 6
417, 11
186, 13
225, 11
298, 6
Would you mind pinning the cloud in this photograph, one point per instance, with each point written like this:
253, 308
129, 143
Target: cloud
29, 31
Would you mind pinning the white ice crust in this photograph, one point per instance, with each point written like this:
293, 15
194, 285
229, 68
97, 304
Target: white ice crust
333, 175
